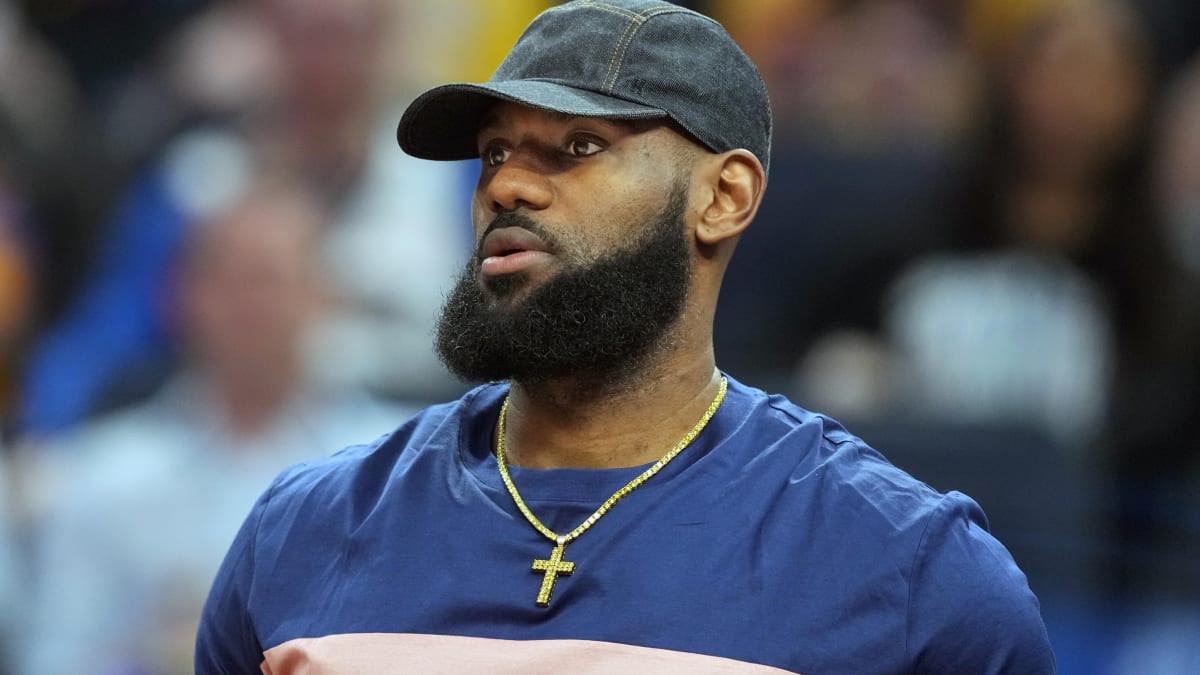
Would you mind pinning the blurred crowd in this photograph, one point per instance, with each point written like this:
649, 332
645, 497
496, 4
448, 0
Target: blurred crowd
980, 248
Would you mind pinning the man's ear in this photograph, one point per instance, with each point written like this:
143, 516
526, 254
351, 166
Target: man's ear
736, 181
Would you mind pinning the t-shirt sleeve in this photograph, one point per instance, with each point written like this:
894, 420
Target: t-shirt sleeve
970, 609
226, 643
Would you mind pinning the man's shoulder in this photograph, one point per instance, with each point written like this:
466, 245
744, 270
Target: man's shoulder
823, 459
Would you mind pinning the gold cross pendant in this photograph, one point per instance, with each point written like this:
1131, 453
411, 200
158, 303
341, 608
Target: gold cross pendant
552, 568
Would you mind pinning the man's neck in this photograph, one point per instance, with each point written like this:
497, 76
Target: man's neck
560, 424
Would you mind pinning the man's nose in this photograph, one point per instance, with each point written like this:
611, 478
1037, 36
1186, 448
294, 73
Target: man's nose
517, 184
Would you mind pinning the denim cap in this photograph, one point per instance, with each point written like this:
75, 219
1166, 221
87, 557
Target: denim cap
615, 59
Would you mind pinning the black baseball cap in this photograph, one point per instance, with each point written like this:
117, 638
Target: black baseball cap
616, 59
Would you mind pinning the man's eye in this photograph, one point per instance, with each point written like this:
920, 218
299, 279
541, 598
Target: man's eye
494, 156
582, 147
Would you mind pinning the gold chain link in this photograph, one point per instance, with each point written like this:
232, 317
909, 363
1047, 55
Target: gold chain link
616, 496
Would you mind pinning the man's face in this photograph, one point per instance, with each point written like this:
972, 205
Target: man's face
249, 290
582, 265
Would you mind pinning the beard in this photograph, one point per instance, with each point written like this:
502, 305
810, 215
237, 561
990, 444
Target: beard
595, 321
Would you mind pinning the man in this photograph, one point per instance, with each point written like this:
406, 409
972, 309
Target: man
142, 503
612, 501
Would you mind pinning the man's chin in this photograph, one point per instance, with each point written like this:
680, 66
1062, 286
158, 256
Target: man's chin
507, 288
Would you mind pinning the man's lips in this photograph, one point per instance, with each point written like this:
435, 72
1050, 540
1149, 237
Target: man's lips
510, 249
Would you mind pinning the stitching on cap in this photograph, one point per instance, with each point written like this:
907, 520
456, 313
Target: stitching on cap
649, 14
634, 20
633, 16
616, 61
614, 64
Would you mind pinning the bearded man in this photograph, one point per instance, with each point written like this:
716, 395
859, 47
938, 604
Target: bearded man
611, 500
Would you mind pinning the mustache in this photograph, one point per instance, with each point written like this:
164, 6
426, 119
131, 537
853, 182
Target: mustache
514, 219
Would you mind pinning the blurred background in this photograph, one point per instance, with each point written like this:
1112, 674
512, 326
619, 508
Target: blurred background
979, 248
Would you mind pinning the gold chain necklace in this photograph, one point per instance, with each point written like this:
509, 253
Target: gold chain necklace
555, 565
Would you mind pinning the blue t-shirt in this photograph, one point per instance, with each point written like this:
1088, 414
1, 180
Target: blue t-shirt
776, 542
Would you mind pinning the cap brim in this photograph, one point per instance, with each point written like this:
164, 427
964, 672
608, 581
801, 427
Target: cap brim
443, 122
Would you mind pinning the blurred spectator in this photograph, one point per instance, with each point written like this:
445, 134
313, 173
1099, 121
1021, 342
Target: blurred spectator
1052, 281
400, 229
287, 88
147, 499
872, 103
1044, 329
